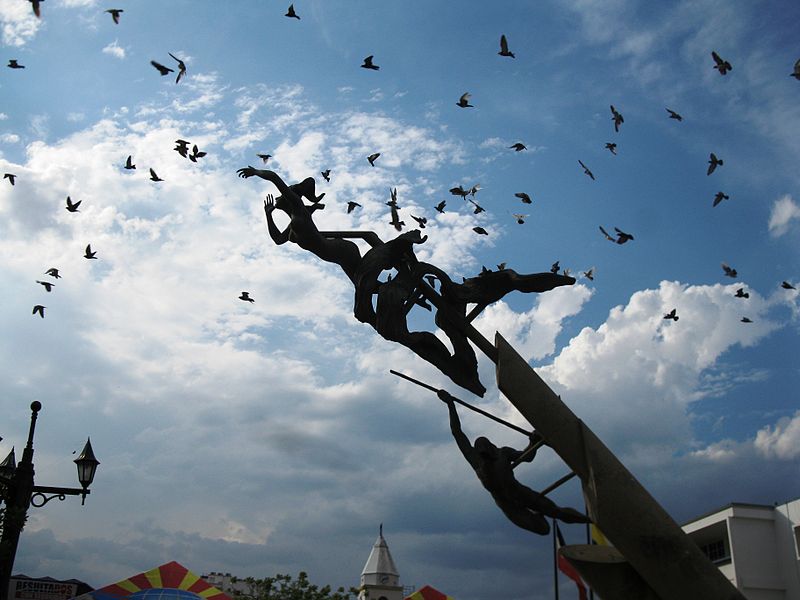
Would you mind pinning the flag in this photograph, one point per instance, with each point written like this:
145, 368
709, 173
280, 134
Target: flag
597, 536
566, 567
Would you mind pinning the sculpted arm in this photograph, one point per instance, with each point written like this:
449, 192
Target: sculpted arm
455, 427
278, 236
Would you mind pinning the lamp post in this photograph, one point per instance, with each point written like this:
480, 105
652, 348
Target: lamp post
19, 492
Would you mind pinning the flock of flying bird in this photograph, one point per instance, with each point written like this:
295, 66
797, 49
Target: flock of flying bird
467, 194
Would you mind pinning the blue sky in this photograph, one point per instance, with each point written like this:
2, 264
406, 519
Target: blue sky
270, 437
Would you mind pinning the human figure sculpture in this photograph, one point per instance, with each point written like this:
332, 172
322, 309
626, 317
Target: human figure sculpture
494, 467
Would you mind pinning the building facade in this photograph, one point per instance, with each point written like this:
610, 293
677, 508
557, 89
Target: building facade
756, 546
379, 577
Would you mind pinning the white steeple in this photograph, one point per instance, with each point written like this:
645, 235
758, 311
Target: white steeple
379, 578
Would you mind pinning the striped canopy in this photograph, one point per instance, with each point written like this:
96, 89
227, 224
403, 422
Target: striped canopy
428, 593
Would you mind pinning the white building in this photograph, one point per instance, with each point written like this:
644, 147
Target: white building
756, 546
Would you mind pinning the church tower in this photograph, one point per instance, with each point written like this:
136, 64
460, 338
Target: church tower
379, 578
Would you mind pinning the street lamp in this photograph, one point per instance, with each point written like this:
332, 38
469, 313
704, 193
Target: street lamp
18, 492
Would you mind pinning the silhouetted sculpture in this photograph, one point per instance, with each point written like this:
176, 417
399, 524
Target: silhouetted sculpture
494, 467
385, 304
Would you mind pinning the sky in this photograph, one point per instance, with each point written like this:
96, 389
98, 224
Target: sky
266, 437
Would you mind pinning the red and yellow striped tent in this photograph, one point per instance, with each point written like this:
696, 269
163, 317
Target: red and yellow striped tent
428, 593
171, 581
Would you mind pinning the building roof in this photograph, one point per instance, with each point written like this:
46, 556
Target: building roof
380, 559
428, 593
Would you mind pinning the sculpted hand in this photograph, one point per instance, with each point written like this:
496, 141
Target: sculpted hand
247, 171
445, 397
269, 205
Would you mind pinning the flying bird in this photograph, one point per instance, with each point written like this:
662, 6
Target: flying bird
73, 206
38, 309
586, 170
290, 13
673, 314
326, 175
526, 199
47, 285
719, 197
153, 176
787, 286
393, 198
713, 163
478, 209
480, 231
12, 179
621, 238
520, 218
161, 68
745, 320
459, 191
129, 163
729, 271
463, 102
518, 147
554, 268
504, 47
589, 274
182, 148
796, 72
246, 297
616, 117
181, 67
196, 153
368, 64
89, 253
115, 12
420, 220
398, 224
740, 293
674, 115
440, 207
13, 64
373, 157
351, 206
37, 11
266, 157
723, 66
53, 272
612, 147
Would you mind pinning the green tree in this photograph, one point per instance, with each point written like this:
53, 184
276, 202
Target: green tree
284, 587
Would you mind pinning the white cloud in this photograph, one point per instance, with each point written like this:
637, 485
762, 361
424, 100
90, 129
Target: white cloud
9, 138
785, 212
18, 23
782, 441
115, 50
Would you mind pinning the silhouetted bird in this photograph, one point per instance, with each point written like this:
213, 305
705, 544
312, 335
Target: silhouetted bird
730, 272
326, 175
478, 209
38, 309
420, 220
246, 297
89, 253
129, 163
719, 197
12, 179
290, 13
13, 64
723, 66
53, 272
161, 68
440, 207
673, 314
787, 286
196, 153
264, 157
589, 274
674, 115
115, 12
616, 117
586, 170
351, 206
526, 199
796, 72
520, 218
181, 67
396, 222
182, 148
73, 206
621, 238
368, 64
612, 147
713, 163
745, 320
463, 102
740, 293
459, 191
518, 147
373, 157
392, 198
504, 47
480, 231
154, 177
555, 267
37, 11
47, 285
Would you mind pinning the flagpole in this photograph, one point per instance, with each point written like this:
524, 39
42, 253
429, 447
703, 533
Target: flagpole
589, 541
555, 561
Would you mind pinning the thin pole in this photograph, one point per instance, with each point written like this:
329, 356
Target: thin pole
555, 561
462, 403
558, 483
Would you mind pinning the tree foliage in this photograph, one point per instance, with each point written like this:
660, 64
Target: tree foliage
285, 587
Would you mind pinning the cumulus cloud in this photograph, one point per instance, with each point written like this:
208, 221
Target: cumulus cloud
115, 50
18, 23
785, 212
781, 441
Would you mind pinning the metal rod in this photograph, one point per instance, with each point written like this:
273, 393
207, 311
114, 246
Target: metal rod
558, 483
531, 448
462, 403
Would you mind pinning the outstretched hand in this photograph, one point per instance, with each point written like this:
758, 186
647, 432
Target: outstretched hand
269, 205
445, 397
247, 171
